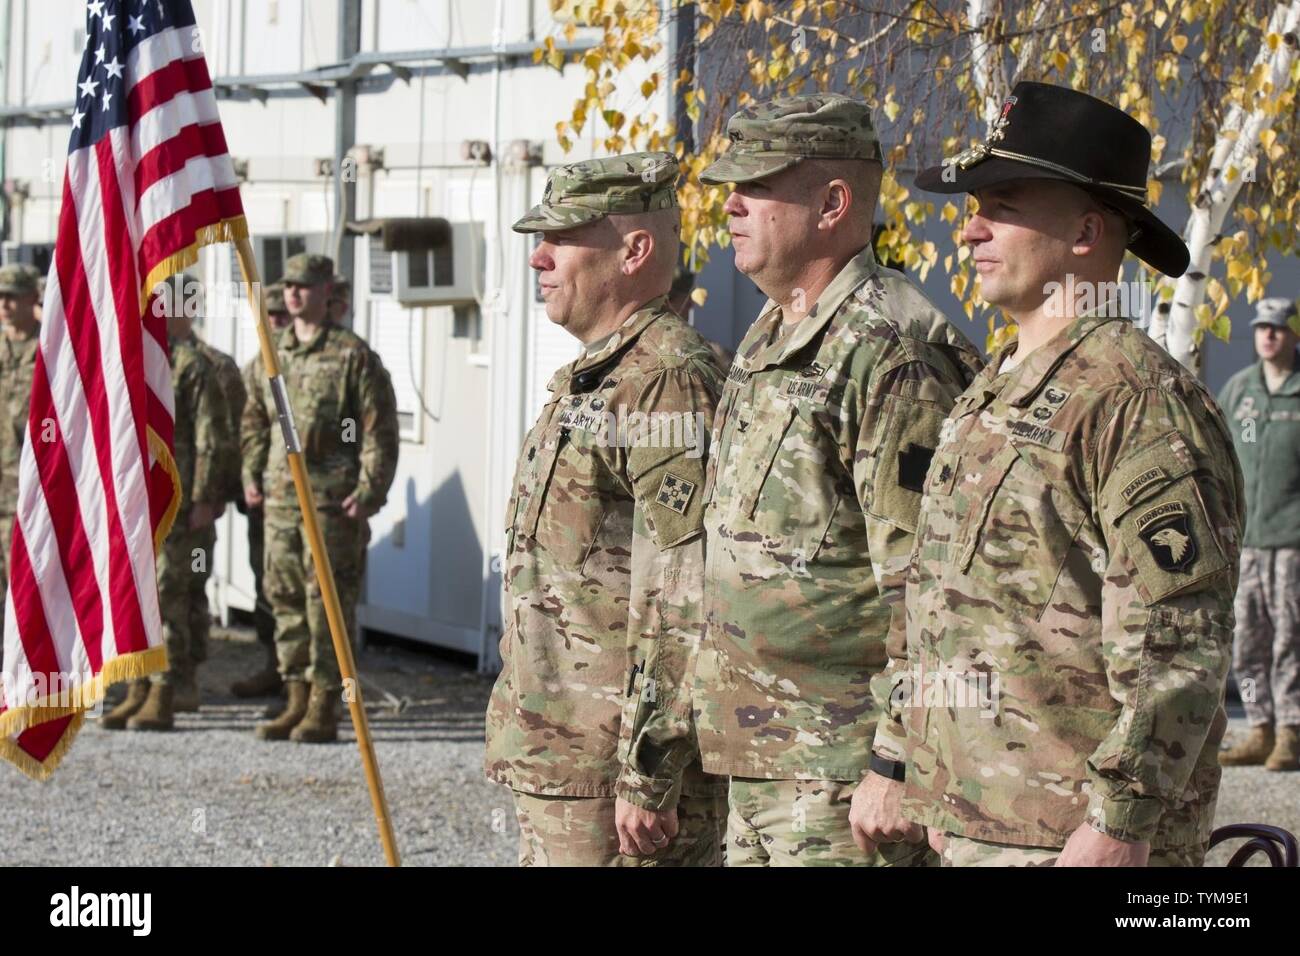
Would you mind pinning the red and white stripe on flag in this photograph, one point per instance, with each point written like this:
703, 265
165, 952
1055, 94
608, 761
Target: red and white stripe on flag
148, 181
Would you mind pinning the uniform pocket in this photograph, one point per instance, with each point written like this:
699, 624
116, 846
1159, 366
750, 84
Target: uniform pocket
568, 505
1022, 526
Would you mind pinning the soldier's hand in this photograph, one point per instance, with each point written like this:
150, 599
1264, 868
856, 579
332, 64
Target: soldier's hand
355, 509
935, 839
202, 514
252, 496
1089, 847
643, 832
875, 816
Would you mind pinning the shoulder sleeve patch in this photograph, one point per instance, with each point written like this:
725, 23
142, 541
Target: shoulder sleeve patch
906, 439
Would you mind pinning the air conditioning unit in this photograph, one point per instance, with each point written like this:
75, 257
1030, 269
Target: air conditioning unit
273, 251
38, 254
446, 274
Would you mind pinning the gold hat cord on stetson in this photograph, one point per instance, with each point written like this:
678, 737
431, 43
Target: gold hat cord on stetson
969, 157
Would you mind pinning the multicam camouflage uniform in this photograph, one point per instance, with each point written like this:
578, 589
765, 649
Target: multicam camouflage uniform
1078, 545
604, 571
346, 416
203, 446
820, 446
17, 364
231, 386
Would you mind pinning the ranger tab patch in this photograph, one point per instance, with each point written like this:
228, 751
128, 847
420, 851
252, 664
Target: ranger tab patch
675, 493
1167, 531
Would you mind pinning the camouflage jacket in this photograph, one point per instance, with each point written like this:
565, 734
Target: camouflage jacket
17, 364
202, 441
346, 415
820, 447
604, 574
1069, 604
233, 394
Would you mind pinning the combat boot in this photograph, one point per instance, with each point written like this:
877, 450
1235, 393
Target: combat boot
290, 717
1252, 751
1286, 752
136, 695
186, 697
157, 712
321, 725
262, 684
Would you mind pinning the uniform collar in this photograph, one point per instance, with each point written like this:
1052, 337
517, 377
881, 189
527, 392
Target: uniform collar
855, 272
289, 341
1290, 387
623, 337
1025, 380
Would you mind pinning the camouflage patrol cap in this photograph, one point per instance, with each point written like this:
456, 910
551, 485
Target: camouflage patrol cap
342, 289
585, 192
767, 138
18, 278
308, 269
1277, 311
275, 297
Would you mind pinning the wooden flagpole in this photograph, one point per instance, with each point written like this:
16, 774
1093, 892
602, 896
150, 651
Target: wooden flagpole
324, 573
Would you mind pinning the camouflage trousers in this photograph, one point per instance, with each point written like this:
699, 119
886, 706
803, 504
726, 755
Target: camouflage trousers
303, 646
183, 568
963, 851
804, 823
1266, 646
579, 831
263, 619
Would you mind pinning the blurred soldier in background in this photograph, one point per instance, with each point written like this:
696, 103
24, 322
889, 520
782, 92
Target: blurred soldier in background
204, 449
1262, 403
19, 339
266, 681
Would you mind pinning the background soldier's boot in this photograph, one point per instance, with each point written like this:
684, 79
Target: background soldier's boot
290, 717
1252, 751
1286, 752
321, 725
262, 684
156, 714
136, 695
186, 697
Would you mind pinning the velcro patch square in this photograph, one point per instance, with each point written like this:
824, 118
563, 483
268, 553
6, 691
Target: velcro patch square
675, 493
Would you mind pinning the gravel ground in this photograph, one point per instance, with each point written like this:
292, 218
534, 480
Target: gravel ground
212, 794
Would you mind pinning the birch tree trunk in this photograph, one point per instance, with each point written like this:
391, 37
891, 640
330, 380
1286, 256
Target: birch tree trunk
1175, 322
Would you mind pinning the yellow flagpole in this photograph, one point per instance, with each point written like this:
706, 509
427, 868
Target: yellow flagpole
324, 573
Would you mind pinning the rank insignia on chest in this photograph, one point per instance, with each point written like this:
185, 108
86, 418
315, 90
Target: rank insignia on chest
675, 493
1167, 531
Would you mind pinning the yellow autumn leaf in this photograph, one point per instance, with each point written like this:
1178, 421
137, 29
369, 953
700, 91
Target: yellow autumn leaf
699, 295
1178, 42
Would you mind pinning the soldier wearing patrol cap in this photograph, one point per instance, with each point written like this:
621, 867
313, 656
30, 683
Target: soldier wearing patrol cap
346, 419
589, 723
828, 419
1262, 403
1059, 687
266, 681
19, 340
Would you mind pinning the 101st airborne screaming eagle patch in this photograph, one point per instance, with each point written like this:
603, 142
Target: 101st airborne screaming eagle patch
675, 493
1167, 531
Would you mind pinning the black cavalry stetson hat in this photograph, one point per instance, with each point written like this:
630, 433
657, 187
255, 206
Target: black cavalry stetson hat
1052, 132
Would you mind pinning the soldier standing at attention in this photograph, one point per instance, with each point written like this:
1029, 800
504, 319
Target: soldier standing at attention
232, 390
590, 721
265, 682
203, 447
1262, 403
346, 417
827, 422
1077, 555
20, 335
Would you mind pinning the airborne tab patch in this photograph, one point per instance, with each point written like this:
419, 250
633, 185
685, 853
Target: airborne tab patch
675, 493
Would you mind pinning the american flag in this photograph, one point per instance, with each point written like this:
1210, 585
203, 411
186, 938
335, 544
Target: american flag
148, 181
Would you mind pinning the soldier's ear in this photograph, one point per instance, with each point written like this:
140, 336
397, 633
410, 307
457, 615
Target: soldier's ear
638, 250
838, 198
